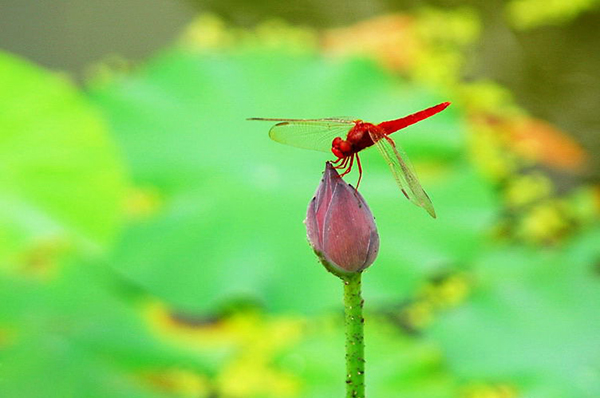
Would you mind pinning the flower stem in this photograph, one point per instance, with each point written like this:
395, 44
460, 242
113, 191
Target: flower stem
355, 342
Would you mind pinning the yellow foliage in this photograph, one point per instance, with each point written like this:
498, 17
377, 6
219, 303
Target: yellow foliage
528, 14
434, 297
458, 27
488, 98
450, 292
490, 391
419, 314
444, 35
253, 341
544, 223
525, 189
209, 32
182, 383
141, 203
251, 376
489, 152
42, 258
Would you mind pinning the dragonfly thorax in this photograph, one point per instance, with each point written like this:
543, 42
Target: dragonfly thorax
358, 138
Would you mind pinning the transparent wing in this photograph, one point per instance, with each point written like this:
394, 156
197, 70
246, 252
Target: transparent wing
403, 171
315, 134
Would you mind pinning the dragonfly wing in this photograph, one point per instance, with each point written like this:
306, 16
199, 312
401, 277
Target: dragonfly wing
315, 134
403, 171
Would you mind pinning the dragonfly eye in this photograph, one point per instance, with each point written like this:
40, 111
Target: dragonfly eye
341, 148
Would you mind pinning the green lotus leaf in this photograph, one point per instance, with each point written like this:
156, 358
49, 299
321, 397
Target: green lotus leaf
531, 321
61, 179
229, 222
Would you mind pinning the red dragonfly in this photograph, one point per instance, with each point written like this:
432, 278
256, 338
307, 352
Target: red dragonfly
326, 135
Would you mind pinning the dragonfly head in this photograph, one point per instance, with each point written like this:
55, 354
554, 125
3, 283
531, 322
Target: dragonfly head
341, 148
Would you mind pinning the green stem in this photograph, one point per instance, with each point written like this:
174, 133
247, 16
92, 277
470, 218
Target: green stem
355, 342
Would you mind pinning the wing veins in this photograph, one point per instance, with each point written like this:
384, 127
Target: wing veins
403, 172
347, 121
314, 134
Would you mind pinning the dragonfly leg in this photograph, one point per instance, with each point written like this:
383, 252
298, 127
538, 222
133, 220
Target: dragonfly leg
391, 141
359, 171
343, 164
351, 157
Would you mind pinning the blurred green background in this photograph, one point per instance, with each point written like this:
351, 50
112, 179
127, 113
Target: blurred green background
151, 239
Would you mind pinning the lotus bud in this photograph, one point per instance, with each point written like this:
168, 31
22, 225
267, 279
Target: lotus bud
340, 226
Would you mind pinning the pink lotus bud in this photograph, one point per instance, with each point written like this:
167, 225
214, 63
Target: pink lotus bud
340, 226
